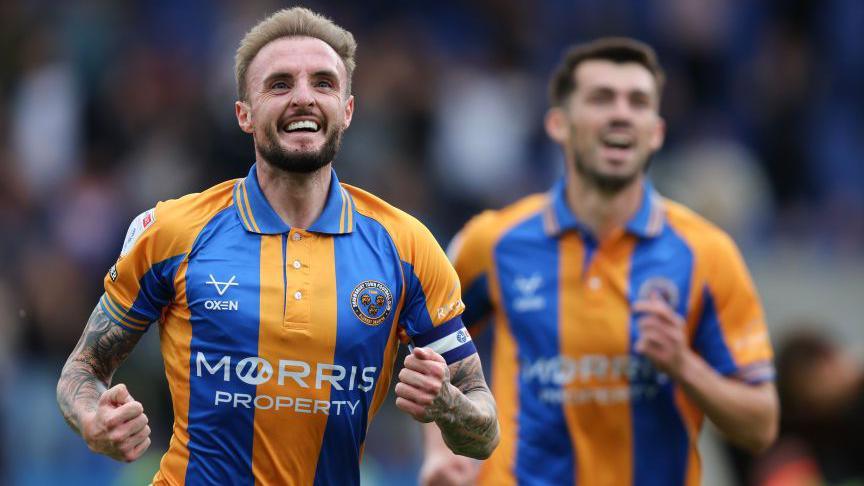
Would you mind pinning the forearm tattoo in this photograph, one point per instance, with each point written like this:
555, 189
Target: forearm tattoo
468, 420
88, 371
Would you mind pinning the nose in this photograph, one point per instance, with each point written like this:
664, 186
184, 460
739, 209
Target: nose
621, 109
302, 96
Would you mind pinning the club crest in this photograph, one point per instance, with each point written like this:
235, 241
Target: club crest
662, 287
371, 302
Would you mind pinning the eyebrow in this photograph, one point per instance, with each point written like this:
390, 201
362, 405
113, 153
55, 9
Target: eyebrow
610, 89
606, 87
328, 73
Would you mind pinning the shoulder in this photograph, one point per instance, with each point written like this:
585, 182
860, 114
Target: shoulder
172, 225
192, 209
704, 237
487, 228
405, 230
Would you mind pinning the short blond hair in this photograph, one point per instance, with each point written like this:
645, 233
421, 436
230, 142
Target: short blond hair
293, 22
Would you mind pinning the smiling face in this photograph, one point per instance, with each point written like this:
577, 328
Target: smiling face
609, 126
297, 105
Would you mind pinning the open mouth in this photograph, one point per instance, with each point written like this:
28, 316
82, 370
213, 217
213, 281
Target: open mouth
618, 141
309, 126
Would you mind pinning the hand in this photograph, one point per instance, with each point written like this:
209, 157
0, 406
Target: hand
424, 385
448, 469
661, 336
118, 428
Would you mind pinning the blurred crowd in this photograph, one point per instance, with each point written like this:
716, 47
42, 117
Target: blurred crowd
107, 107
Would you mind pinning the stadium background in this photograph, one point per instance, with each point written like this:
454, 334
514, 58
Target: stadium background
106, 107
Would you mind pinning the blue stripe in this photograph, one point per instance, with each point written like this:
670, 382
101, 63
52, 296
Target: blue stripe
477, 303
242, 210
221, 436
127, 327
284, 269
757, 373
709, 340
590, 245
106, 303
331, 216
113, 308
266, 219
660, 441
436, 333
157, 289
415, 316
638, 224
366, 254
544, 453
461, 352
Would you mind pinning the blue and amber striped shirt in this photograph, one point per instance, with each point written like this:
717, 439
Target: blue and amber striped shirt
577, 404
279, 343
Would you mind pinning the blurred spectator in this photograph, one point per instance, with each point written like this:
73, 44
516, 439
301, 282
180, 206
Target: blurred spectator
821, 388
721, 180
482, 129
46, 123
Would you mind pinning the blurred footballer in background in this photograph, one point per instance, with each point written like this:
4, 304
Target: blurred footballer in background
620, 318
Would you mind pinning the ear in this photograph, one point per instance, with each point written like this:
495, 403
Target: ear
659, 134
244, 115
349, 111
555, 123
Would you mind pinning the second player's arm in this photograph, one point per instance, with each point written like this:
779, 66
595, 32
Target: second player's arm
455, 397
747, 414
110, 421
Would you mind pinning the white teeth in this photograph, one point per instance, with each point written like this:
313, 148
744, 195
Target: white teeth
618, 140
302, 124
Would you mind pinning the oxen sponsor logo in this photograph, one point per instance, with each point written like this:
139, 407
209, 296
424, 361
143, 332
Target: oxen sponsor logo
221, 289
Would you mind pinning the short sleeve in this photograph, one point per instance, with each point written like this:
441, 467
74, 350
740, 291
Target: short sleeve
732, 334
433, 302
140, 284
470, 251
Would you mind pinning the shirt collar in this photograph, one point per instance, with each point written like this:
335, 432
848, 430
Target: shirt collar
257, 216
648, 221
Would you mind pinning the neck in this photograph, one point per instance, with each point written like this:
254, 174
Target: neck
297, 198
602, 212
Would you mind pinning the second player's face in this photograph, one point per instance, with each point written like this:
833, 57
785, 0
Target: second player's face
297, 102
614, 125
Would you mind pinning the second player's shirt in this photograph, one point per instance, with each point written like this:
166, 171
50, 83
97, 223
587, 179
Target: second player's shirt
576, 403
279, 343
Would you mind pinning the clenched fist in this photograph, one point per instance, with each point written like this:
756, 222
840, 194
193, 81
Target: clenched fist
662, 336
424, 385
118, 427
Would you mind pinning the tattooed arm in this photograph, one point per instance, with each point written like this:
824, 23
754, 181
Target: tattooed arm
455, 397
109, 420
465, 411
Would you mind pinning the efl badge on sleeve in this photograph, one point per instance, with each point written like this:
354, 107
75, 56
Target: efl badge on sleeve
371, 302
136, 229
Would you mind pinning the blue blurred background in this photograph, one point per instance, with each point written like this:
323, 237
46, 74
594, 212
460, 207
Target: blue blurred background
107, 107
